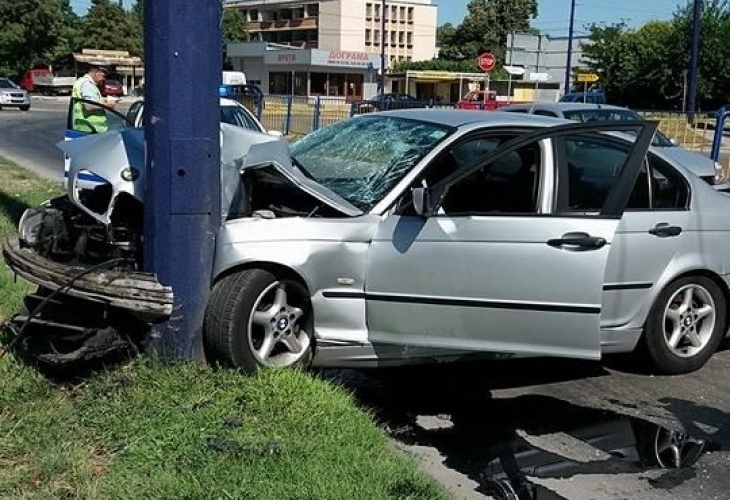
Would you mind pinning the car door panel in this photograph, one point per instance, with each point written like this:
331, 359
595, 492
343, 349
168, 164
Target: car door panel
646, 247
528, 284
487, 283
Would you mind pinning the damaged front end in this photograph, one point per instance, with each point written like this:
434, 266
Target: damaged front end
84, 252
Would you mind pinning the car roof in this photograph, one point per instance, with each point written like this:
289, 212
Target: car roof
564, 106
462, 117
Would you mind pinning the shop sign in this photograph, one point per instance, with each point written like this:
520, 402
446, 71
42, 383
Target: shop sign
344, 58
287, 57
435, 75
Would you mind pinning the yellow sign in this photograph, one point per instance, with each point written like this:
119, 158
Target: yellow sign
434, 75
587, 77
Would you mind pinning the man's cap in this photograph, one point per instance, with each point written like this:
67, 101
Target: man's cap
99, 67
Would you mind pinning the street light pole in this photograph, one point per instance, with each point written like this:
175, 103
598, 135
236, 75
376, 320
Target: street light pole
694, 58
569, 59
382, 48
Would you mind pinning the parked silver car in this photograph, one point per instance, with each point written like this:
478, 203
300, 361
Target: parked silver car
12, 96
699, 164
417, 235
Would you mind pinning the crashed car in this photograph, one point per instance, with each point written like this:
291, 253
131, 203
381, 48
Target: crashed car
421, 235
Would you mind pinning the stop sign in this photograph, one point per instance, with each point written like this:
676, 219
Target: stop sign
486, 61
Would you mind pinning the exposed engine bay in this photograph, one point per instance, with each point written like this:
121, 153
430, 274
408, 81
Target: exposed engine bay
85, 250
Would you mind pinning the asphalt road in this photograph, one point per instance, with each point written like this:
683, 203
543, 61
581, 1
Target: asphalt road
557, 429
29, 137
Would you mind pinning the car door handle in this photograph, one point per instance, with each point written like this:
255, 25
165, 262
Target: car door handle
578, 241
665, 230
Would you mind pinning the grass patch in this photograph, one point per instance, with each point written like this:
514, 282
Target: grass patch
185, 431
19, 190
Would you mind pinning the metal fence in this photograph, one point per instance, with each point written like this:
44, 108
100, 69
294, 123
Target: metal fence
698, 134
293, 115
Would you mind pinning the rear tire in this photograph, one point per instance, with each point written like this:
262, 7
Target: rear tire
255, 319
685, 325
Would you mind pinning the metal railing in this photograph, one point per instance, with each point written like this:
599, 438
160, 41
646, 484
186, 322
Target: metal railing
295, 115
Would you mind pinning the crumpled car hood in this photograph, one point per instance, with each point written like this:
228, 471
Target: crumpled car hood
108, 155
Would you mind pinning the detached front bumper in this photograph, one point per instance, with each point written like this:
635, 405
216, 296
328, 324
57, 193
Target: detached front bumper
137, 292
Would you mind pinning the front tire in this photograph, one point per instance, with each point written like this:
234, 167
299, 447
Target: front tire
24, 108
685, 325
255, 319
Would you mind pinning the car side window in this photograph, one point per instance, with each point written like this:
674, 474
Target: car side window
594, 164
658, 187
506, 185
669, 190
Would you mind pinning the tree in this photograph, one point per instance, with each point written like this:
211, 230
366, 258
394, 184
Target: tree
136, 19
34, 33
646, 67
487, 26
713, 89
233, 29
107, 26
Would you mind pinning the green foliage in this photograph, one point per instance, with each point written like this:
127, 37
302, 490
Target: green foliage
486, 27
646, 67
187, 432
441, 64
107, 26
136, 18
234, 26
34, 33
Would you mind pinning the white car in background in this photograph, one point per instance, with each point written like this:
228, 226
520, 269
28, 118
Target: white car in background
232, 112
699, 164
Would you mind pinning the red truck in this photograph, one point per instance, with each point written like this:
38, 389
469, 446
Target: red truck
41, 80
483, 99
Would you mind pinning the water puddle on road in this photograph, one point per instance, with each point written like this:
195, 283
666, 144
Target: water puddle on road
511, 447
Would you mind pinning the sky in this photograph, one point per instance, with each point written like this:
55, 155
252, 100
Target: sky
554, 15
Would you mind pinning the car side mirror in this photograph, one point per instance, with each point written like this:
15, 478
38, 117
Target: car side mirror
422, 201
674, 141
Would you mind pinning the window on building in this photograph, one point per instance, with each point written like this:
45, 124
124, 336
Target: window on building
402, 14
386, 38
253, 15
311, 10
393, 37
376, 38
410, 39
393, 14
377, 12
410, 15
368, 37
401, 38
368, 11
392, 60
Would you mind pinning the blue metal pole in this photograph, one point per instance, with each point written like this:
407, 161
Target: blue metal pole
569, 58
722, 114
182, 208
694, 59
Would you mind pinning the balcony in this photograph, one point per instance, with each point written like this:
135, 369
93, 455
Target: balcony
283, 24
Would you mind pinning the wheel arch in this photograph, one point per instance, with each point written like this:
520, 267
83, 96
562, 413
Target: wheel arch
273, 267
706, 273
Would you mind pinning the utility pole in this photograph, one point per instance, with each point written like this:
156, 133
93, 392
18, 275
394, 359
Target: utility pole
694, 59
182, 187
569, 59
382, 48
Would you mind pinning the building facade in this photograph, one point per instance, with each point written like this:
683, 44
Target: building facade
347, 25
544, 55
335, 74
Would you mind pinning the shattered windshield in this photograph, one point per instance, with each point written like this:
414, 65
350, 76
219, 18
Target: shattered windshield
363, 158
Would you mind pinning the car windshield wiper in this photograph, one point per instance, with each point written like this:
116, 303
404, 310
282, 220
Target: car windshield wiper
301, 168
